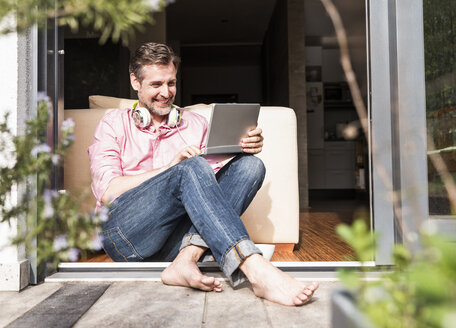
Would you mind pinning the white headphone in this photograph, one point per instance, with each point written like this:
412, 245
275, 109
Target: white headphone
142, 117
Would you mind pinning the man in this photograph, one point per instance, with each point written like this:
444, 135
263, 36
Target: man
166, 202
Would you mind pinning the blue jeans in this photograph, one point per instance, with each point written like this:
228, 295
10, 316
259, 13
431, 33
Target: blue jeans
187, 205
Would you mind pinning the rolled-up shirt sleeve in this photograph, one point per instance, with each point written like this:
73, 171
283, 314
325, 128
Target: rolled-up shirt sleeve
104, 155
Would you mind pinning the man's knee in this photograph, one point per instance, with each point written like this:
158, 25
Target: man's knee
196, 164
251, 166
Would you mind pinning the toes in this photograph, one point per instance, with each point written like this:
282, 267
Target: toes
208, 280
303, 297
203, 287
211, 283
298, 301
307, 292
313, 286
310, 288
217, 286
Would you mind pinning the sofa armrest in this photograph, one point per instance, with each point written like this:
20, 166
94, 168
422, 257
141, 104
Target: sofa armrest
273, 216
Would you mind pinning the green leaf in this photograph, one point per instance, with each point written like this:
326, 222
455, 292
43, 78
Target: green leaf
401, 256
359, 238
349, 278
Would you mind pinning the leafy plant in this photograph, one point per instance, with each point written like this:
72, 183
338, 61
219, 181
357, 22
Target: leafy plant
53, 226
116, 19
418, 291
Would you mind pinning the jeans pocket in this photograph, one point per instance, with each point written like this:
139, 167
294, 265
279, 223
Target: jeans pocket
118, 247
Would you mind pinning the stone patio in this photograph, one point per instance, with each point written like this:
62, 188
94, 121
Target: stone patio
152, 304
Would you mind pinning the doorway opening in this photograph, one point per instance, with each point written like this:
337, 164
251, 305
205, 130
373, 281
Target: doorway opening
338, 153
244, 56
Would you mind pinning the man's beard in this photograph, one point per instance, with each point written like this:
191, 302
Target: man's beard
156, 111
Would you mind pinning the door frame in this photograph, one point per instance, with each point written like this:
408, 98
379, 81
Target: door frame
397, 131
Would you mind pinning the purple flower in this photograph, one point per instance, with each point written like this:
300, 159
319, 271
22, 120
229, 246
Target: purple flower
47, 195
55, 159
42, 96
73, 254
97, 242
66, 141
43, 148
153, 4
48, 210
60, 242
68, 124
103, 214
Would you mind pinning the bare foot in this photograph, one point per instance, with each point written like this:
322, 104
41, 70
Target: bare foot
183, 271
274, 285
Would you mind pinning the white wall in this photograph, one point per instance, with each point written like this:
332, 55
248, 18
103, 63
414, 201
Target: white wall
14, 69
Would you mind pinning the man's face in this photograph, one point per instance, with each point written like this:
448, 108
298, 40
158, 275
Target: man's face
157, 90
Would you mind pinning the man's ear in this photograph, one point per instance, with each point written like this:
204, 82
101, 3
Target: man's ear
135, 84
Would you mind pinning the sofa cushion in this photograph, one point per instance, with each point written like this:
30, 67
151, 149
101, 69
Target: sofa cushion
96, 101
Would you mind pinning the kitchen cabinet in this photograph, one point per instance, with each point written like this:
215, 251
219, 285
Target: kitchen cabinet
332, 167
317, 174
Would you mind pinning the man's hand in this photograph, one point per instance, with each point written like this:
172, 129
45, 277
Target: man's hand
253, 144
185, 153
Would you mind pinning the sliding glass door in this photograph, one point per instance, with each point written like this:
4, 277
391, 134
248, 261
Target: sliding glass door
439, 17
414, 111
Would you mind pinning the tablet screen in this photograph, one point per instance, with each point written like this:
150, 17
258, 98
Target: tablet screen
229, 124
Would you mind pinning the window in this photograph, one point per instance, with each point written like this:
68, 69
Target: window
440, 74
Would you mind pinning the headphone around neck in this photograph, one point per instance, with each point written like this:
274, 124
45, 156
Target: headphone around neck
143, 119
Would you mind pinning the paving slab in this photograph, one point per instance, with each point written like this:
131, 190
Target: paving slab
316, 313
15, 304
152, 304
63, 308
235, 308
146, 304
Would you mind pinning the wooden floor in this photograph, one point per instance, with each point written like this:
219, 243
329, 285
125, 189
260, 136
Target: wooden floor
318, 240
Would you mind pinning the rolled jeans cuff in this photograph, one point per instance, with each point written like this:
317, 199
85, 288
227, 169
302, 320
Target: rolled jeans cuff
234, 257
192, 239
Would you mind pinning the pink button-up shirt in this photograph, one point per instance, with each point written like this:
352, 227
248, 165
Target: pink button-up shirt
120, 148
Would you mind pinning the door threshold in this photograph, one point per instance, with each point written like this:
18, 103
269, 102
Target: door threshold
151, 266
151, 271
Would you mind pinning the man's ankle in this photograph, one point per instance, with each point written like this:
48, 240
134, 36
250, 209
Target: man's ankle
193, 252
250, 264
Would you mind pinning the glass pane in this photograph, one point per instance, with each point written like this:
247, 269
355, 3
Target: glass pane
440, 59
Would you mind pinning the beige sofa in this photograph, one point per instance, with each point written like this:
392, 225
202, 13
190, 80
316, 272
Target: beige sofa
273, 216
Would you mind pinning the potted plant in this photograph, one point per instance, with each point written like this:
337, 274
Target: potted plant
53, 225
419, 290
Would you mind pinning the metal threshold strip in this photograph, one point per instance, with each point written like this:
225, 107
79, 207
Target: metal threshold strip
151, 271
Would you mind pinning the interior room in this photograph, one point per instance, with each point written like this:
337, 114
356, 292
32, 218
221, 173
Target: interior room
271, 52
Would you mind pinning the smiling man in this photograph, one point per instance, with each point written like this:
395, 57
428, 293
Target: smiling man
166, 203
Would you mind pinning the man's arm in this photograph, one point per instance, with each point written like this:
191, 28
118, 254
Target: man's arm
121, 184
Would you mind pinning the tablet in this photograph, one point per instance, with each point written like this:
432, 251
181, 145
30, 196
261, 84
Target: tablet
229, 124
